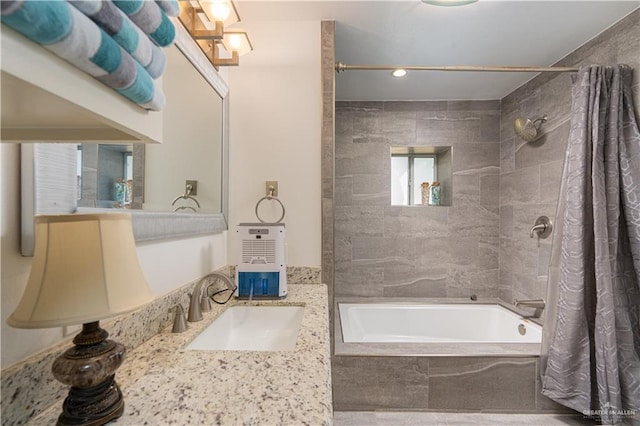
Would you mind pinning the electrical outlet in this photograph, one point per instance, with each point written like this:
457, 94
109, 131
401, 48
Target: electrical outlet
274, 184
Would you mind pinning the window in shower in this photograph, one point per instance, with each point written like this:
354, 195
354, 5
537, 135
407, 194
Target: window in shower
414, 171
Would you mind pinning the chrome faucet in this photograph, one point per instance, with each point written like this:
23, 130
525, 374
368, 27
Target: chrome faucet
542, 227
199, 297
538, 304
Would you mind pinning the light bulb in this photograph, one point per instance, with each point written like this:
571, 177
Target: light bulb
399, 72
220, 10
235, 41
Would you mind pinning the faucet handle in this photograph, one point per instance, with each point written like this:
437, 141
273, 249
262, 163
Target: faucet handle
542, 227
179, 322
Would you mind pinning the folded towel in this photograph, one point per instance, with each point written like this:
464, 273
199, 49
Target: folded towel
126, 33
170, 7
150, 18
71, 35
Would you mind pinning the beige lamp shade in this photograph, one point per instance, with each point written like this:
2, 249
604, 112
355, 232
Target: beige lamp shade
85, 268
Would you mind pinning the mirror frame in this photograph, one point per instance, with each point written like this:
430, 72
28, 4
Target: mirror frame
147, 225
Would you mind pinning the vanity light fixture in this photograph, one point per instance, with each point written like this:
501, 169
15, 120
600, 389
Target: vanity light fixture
85, 269
206, 20
448, 2
236, 43
399, 72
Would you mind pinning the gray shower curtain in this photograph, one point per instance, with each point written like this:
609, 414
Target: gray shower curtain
591, 343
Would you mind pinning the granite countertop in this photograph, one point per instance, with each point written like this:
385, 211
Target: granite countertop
164, 384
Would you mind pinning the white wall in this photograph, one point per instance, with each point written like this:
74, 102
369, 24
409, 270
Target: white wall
275, 133
167, 265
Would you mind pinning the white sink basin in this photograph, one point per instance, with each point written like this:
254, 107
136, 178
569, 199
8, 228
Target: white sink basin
252, 328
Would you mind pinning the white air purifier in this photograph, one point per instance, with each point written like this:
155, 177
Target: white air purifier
261, 267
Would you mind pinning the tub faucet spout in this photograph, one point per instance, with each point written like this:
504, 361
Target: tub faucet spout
538, 304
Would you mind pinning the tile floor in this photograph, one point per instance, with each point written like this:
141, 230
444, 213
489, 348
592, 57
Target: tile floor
370, 418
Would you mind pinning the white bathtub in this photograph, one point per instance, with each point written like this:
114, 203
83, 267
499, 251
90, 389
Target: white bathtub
434, 323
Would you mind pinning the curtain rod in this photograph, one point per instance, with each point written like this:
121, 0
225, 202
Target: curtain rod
340, 67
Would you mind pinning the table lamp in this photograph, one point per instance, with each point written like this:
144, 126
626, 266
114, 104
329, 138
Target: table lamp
85, 269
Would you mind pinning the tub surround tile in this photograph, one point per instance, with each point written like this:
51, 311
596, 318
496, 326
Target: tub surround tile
520, 187
417, 282
465, 284
372, 190
417, 221
364, 136
389, 383
359, 220
507, 155
550, 180
506, 221
466, 190
382, 251
368, 280
489, 253
165, 384
481, 383
476, 159
490, 190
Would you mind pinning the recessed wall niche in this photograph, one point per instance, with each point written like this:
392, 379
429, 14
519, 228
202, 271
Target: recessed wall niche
415, 170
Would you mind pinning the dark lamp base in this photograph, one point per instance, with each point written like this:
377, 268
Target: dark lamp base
89, 368
92, 406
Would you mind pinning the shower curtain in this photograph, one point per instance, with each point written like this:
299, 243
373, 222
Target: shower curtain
591, 343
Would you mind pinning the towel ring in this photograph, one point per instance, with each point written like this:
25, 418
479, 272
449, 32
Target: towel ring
269, 197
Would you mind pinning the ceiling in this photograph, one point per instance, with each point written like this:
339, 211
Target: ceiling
409, 32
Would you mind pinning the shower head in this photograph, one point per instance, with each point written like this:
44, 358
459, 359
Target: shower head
527, 129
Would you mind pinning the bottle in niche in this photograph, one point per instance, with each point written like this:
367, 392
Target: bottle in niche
425, 193
435, 193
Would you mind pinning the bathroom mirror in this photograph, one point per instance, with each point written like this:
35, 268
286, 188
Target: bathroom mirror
134, 176
195, 148
415, 169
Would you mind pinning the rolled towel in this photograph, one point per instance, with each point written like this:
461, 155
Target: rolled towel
142, 89
126, 33
44, 22
150, 18
158, 62
83, 44
170, 7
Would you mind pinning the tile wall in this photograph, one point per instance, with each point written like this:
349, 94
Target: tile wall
422, 251
530, 173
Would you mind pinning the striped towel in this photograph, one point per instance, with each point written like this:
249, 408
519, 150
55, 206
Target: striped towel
150, 18
71, 35
170, 7
127, 34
